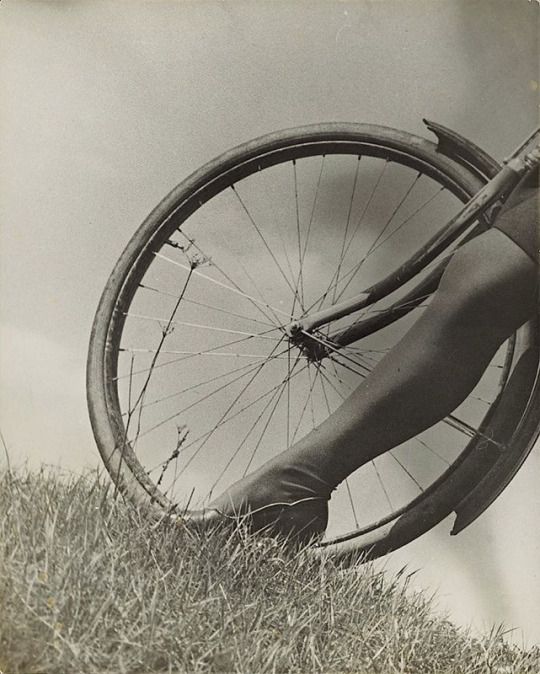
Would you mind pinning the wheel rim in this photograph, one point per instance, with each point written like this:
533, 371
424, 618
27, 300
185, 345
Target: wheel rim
164, 455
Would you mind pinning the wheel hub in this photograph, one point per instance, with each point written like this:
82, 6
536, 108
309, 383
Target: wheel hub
311, 347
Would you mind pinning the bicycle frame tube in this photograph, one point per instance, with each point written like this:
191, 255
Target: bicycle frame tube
371, 324
496, 189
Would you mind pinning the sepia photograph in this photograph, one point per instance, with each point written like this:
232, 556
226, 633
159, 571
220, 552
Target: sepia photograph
269, 336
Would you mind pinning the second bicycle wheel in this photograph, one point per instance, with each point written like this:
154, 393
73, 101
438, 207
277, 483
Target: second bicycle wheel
192, 378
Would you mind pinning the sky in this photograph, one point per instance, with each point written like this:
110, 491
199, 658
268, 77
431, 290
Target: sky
108, 104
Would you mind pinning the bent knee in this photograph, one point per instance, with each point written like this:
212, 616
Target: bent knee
489, 284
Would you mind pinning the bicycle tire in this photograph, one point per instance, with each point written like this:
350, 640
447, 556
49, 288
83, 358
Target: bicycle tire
131, 477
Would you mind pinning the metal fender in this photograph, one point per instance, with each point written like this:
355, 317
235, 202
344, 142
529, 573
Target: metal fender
463, 151
516, 449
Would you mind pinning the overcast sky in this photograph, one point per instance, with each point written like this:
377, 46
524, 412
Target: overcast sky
106, 105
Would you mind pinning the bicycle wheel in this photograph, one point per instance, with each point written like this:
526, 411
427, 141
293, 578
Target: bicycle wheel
193, 380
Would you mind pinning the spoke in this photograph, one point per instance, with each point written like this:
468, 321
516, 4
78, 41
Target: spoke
309, 400
336, 375
351, 273
244, 440
299, 286
269, 419
312, 386
261, 236
222, 285
208, 306
289, 397
373, 245
202, 353
394, 213
227, 419
319, 302
310, 224
202, 383
364, 351
249, 276
321, 380
359, 360
330, 383
206, 397
176, 414
406, 471
130, 383
186, 357
335, 357
381, 482
424, 444
351, 502
259, 335
430, 449
227, 277
420, 208
344, 241
340, 380
337, 353
465, 428
370, 310
365, 354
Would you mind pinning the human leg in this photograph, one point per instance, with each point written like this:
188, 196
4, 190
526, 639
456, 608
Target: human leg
487, 291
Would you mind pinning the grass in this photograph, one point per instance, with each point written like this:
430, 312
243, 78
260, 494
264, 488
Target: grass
90, 585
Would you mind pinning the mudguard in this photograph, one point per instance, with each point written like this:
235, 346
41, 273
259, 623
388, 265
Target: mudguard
500, 472
463, 151
518, 447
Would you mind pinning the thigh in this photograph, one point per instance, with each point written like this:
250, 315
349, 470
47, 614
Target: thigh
519, 221
490, 282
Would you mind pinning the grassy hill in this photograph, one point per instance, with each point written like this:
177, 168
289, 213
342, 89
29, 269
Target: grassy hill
89, 585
